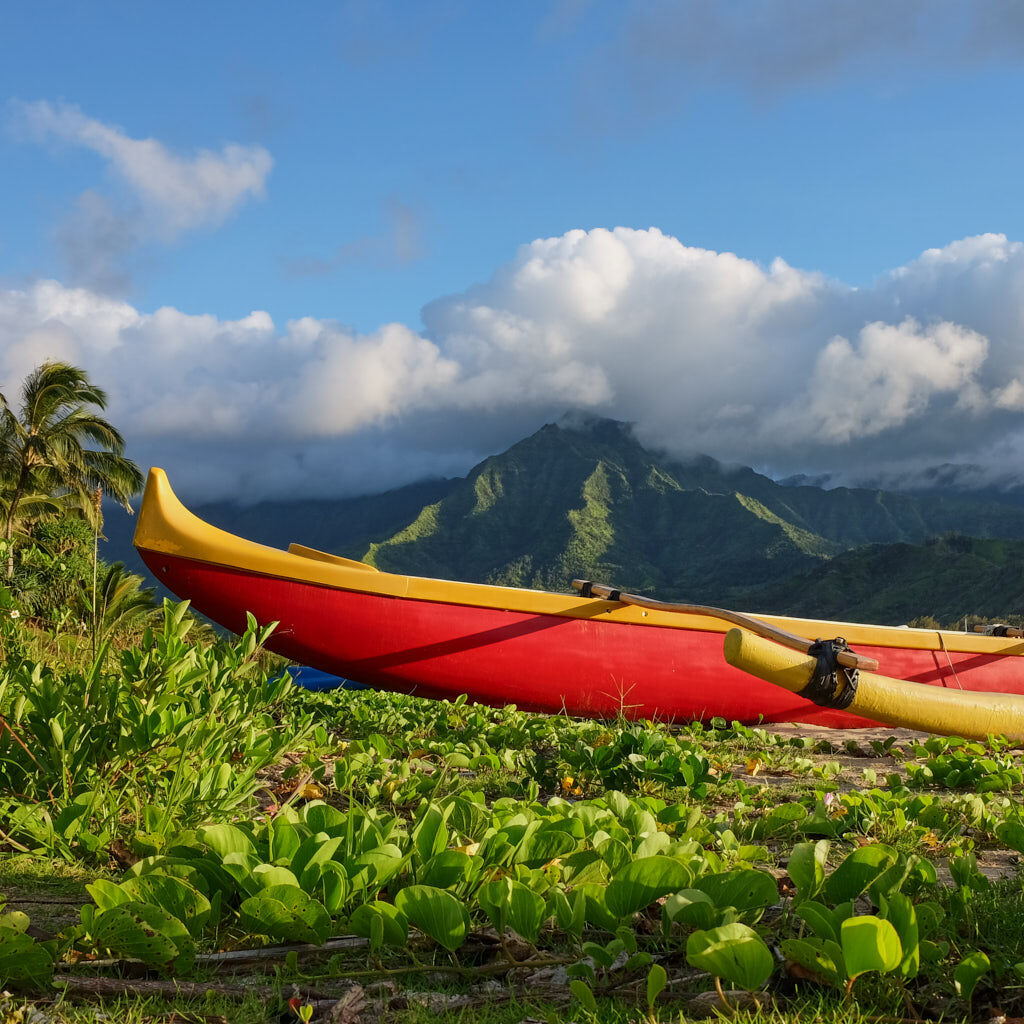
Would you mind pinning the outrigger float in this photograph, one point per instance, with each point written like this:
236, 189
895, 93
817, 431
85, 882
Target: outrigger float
596, 653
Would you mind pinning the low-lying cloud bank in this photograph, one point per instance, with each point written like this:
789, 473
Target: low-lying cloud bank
705, 351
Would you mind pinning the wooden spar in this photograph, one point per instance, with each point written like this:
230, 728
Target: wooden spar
1010, 631
765, 629
971, 714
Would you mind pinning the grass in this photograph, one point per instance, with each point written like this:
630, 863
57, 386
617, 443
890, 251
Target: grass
211, 1010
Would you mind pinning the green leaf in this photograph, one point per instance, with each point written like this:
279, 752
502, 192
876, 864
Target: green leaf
969, 972
869, 944
810, 954
147, 933
858, 871
543, 846
900, 911
14, 920
172, 894
614, 853
450, 869
284, 840
436, 913
333, 886
526, 912
430, 836
225, 839
23, 960
818, 919
1011, 833
745, 889
286, 913
641, 882
570, 911
691, 907
657, 979
734, 952
311, 856
807, 867
375, 868
266, 875
495, 897
394, 930
582, 994
108, 894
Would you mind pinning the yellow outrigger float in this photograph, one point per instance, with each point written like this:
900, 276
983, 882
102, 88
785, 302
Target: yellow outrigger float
935, 709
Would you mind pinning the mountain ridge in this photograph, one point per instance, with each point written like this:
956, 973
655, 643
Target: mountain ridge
587, 499
590, 500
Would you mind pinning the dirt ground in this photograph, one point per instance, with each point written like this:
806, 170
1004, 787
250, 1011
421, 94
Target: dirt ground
995, 864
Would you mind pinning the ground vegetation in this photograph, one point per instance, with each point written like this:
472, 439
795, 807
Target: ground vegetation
184, 831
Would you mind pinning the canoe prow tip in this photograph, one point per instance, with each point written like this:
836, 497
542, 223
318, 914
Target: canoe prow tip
160, 512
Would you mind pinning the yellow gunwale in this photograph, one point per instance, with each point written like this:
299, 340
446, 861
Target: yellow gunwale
165, 525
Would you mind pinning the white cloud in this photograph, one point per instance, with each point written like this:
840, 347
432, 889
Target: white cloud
704, 351
889, 377
182, 193
162, 195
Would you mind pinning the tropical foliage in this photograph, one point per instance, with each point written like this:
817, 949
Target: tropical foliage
57, 453
58, 458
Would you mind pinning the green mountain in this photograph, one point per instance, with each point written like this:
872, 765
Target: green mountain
945, 578
591, 501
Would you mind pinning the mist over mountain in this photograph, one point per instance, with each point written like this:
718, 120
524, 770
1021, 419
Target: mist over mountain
587, 499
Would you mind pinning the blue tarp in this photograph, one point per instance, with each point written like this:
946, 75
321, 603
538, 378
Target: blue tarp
313, 679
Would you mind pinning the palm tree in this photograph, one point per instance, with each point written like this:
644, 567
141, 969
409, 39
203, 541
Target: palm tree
120, 601
57, 444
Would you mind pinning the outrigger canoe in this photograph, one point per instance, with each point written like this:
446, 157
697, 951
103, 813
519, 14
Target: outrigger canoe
596, 653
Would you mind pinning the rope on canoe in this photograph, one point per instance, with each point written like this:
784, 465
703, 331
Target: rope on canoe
952, 668
831, 685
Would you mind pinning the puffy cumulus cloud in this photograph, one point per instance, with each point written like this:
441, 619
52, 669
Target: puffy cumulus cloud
891, 375
162, 195
704, 351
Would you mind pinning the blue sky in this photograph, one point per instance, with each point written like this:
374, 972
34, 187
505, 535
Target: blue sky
390, 157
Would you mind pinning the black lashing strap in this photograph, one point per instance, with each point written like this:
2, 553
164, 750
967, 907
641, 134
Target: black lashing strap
587, 590
831, 685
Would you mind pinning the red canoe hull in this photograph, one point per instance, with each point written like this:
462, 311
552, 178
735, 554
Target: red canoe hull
540, 662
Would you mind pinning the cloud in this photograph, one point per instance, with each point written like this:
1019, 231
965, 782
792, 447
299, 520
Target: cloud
705, 351
160, 195
662, 52
889, 377
399, 244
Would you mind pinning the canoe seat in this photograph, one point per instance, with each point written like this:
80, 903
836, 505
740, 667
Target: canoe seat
323, 556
